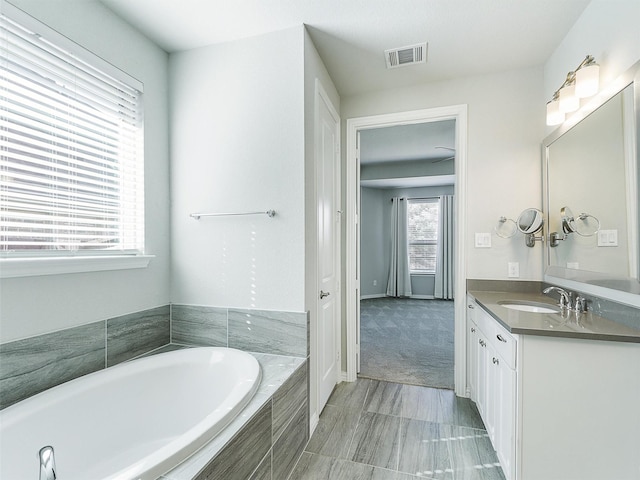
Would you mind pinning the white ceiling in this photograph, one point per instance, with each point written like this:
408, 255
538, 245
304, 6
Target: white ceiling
408, 143
465, 37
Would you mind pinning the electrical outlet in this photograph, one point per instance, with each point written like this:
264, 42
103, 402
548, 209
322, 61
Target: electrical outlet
375, 283
514, 270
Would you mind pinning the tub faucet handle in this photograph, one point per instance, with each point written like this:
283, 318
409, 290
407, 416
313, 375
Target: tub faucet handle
47, 463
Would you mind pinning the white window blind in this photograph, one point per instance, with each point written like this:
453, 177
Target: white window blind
422, 225
71, 132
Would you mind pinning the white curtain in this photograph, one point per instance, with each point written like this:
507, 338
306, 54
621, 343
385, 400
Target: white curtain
399, 284
444, 261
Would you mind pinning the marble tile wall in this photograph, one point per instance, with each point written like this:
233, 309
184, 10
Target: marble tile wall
35, 364
261, 331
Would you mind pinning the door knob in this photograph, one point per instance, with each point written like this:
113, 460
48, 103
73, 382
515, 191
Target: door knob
324, 294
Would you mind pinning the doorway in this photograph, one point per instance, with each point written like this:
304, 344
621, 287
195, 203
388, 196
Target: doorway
354, 211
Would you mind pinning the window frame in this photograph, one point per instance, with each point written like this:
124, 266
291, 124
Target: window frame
23, 262
410, 201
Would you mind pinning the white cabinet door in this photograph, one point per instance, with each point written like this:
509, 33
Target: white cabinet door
472, 349
492, 407
505, 414
481, 373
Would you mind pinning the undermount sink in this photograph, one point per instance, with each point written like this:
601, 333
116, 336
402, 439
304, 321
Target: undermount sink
531, 307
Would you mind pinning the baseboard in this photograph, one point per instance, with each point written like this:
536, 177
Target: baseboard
383, 295
376, 295
343, 376
313, 423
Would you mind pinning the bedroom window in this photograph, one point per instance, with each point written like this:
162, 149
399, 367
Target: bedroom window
422, 225
71, 132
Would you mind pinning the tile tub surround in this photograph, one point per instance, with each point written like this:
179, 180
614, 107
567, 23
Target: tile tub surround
35, 364
32, 365
263, 331
265, 441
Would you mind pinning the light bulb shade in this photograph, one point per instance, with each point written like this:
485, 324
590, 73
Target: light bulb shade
554, 115
587, 81
568, 100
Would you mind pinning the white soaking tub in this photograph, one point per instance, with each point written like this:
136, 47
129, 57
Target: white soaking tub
133, 421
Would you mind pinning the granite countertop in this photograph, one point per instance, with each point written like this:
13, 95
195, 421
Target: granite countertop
586, 325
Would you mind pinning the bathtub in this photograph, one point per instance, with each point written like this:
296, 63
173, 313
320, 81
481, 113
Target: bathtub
133, 421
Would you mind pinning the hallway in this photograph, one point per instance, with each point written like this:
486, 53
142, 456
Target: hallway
407, 341
373, 430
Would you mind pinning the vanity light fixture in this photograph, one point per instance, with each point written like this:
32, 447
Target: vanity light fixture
580, 83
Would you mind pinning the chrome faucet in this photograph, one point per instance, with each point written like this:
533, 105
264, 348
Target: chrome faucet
565, 297
47, 463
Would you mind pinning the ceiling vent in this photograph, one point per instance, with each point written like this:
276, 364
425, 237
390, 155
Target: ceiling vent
410, 55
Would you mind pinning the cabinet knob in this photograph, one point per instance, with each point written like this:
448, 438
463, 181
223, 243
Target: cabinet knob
495, 361
473, 330
501, 338
471, 307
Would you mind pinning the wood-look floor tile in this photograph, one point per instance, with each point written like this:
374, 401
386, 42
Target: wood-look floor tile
424, 450
384, 397
472, 455
459, 411
376, 441
421, 403
318, 467
350, 394
334, 432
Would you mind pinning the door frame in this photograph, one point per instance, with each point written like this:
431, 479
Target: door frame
354, 125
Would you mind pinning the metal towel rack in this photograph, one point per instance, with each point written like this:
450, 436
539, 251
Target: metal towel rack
269, 213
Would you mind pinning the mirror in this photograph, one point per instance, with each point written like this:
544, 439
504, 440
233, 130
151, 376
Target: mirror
591, 166
530, 221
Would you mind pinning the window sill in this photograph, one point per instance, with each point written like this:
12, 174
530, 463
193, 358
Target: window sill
30, 267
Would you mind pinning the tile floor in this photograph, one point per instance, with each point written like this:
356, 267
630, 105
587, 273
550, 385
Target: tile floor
375, 430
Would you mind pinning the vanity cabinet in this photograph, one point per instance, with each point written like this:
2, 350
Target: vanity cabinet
492, 381
555, 407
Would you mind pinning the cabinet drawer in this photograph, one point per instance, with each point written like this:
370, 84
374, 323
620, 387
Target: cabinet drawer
504, 344
502, 341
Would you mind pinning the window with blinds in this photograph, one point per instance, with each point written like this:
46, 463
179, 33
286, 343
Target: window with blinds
71, 132
422, 224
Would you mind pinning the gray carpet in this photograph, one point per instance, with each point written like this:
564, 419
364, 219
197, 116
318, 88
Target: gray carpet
407, 341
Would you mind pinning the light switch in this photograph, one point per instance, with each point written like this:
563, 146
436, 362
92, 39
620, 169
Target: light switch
483, 240
608, 238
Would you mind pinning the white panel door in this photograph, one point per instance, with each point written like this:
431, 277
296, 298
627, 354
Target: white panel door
327, 182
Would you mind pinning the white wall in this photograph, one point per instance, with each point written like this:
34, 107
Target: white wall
505, 127
237, 127
36, 305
